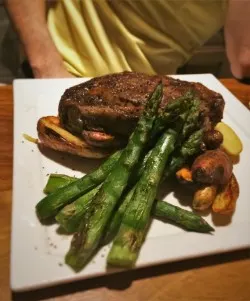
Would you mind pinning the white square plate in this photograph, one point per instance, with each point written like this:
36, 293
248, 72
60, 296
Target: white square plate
37, 251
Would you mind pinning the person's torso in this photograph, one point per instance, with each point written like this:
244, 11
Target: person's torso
97, 37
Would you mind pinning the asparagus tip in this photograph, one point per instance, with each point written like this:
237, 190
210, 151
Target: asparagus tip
210, 228
205, 227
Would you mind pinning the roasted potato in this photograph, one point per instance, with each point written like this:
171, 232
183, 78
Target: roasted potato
212, 167
204, 197
52, 135
231, 141
212, 139
225, 201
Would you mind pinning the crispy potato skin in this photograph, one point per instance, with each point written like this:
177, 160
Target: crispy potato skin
232, 143
212, 167
225, 201
212, 139
204, 197
50, 135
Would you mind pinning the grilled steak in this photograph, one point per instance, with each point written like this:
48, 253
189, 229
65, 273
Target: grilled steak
103, 111
112, 104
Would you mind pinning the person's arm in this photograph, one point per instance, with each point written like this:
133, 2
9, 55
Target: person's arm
29, 18
238, 38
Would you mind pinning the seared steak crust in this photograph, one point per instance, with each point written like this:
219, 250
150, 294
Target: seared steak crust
112, 103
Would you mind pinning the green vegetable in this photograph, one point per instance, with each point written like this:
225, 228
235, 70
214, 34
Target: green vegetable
189, 141
192, 122
115, 222
189, 148
186, 219
70, 216
127, 243
57, 181
51, 204
86, 240
172, 111
192, 145
53, 184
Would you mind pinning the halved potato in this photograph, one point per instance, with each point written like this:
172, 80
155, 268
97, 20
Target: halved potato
52, 135
231, 141
225, 201
204, 197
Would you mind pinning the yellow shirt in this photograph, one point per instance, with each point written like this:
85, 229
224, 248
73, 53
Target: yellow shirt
97, 37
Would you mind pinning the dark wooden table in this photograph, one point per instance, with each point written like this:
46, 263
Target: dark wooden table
214, 278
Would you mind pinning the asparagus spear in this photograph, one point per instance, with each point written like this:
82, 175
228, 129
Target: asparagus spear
115, 222
127, 243
189, 148
164, 211
57, 181
186, 219
192, 145
142, 163
50, 205
70, 216
172, 111
86, 240
189, 140
192, 122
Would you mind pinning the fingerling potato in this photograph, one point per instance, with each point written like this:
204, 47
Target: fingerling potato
204, 197
225, 201
231, 141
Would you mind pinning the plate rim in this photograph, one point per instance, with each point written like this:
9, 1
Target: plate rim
17, 288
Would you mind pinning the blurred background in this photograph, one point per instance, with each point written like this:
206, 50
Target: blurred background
211, 58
